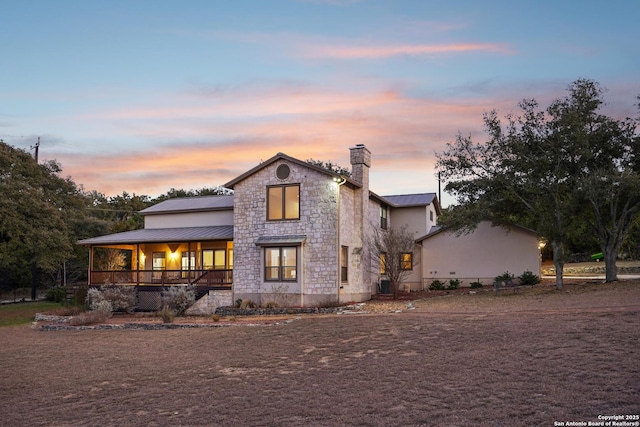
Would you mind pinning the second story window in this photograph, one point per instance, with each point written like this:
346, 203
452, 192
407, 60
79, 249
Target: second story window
283, 202
384, 212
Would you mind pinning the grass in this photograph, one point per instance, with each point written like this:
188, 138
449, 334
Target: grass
24, 312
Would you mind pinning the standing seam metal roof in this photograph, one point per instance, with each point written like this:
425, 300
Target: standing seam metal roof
164, 235
187, 204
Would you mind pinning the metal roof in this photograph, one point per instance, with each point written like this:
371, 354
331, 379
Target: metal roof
406, 200
190, 204
164, 235
281, 240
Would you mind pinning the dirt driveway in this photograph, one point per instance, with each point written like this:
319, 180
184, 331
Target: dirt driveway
529, 359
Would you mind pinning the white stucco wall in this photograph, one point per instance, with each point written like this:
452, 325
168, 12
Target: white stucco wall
189, 219
481, 255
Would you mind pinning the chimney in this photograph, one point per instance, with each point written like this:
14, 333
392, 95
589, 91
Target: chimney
360, 164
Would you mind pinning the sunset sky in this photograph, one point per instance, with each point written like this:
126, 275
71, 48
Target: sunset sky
142, 96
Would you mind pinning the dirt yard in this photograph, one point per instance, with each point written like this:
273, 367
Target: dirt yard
526, 359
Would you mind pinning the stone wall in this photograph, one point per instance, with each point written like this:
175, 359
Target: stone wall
210, 302
317, 257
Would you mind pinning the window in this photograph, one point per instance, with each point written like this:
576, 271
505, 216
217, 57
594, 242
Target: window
283, 202
159, 264
344, 264
188, 262
431, 215
159, 261
384, 212
406, 261
213, 259
280, 264
383, 263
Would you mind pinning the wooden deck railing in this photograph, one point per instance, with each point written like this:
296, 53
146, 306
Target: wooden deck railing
163, 277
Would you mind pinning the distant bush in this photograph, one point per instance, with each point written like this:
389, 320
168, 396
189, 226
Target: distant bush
101, 310
504, 277
238, 303
121, 298
528, 279
167, 314
247, 303
475, 285
270, 304
56, 294
179, 299
453, 284
437, 285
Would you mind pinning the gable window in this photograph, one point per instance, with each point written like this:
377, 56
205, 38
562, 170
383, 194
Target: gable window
344, 264
283, 202
384, 212
280, 264
431, 215
406, 261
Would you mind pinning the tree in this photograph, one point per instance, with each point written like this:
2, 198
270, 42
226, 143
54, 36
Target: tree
330, 166
541, 166
393, 249
33, 231
607, 166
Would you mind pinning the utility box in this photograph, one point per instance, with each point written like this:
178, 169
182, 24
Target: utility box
385, 286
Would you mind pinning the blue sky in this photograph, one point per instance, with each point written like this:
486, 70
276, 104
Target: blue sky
141, 96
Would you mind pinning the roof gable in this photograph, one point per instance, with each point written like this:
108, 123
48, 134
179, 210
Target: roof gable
282, 156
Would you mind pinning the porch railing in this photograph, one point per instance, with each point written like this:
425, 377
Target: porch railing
210, 278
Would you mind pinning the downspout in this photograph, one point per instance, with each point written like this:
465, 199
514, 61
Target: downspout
302, 270
339, 183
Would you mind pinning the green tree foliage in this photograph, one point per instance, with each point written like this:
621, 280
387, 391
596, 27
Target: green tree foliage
543, 167
330, 167
38, 216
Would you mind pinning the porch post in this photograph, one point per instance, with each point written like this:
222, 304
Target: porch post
189, 262
137, 264
90, 264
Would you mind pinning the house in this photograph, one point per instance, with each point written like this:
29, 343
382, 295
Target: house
292, 232
479, 256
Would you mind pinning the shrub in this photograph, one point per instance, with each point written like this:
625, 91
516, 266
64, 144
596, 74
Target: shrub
167, 314
247, 303
270, 304
504, 277
88, 318
122, 298
476, 285
179, 298
238, 303
528, 279
436, 285
453, 284
57, 294
215, 317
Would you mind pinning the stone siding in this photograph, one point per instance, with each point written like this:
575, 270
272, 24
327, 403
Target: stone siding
210, 302
317, 257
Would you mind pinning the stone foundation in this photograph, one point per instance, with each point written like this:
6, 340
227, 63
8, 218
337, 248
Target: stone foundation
209, 303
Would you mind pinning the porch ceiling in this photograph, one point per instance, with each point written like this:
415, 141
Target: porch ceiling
164, 235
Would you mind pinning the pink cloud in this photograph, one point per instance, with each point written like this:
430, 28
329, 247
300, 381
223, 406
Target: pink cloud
386, 51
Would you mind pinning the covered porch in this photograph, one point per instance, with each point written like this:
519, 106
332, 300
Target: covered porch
152, 259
